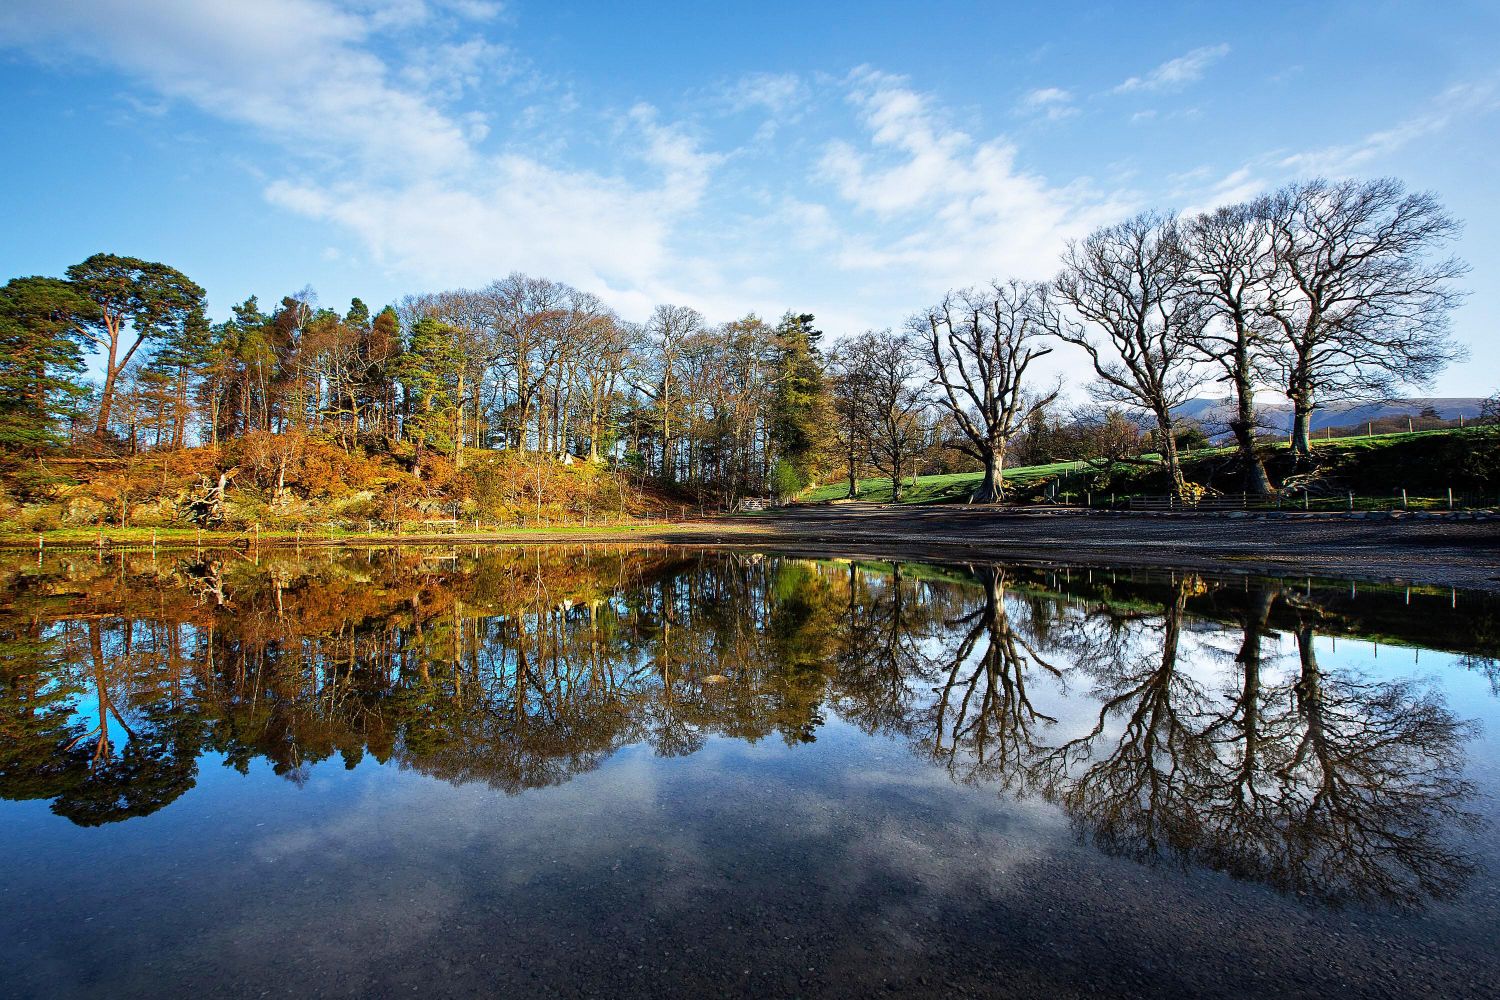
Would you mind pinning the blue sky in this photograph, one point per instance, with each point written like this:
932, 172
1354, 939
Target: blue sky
854, 161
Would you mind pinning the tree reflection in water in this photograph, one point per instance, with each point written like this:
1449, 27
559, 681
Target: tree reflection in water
1211, 735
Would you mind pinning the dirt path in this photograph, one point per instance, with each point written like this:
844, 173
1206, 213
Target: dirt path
1463, 554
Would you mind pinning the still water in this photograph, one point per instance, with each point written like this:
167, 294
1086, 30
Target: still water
664, 772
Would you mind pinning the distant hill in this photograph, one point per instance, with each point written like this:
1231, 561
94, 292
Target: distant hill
1214, 414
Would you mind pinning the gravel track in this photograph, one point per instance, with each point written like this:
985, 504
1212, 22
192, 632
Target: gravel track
1442, 551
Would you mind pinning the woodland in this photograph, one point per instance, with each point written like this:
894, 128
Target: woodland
531, 401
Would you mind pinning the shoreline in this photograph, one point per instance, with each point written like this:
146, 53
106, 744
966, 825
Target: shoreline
1459, 552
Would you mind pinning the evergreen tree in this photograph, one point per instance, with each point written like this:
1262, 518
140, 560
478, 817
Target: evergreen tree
40, 361
183, 354
801, 412
152, 299
429, 371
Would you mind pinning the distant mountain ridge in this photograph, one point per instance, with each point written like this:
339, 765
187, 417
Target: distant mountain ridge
1214, 414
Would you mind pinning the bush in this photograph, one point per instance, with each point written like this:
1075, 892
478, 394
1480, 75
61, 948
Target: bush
1191, 437
785, 481
81, 510
41, 517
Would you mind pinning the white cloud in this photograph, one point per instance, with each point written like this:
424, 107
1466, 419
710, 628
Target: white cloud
1176, 73
1459, 102
778, 93
378, 151
1201, 189
296, 70
444, 72
966, 211
781, 97
1053, 102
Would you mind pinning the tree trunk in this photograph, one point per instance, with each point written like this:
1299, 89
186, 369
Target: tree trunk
853, 477
106, 401
1166, 432
458, 427
992, 487
1257, 483
1302, 429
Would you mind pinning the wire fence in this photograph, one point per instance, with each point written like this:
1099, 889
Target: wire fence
1306, 501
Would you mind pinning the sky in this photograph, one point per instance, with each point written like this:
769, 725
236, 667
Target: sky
854, 161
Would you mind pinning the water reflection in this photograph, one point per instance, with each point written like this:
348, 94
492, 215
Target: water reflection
1168, 716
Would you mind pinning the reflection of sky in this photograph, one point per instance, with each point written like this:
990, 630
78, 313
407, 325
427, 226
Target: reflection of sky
831, 858
719, 872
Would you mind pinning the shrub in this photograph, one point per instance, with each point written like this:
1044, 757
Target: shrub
41, 517
81, 510
785, 481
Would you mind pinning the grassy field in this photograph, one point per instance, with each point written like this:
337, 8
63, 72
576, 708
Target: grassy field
951, 488
1368, 463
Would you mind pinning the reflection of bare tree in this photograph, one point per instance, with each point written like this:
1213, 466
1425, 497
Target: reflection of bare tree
1369, 780
878, 659
1133, 797
1326, 785
982, 721
523, 669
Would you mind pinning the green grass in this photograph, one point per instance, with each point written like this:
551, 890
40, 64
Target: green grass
950, 488
956, 487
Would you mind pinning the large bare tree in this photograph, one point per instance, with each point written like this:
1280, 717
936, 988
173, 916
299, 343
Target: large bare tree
1361, 298
980, 343
849, 426
1123, 295
1232, 261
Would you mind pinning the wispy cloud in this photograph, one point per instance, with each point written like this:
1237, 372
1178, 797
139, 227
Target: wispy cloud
379, 144
1175, 73
1054, 103
1203, 188
965, 210
781, 97
777, 93
1457, 103
296, 70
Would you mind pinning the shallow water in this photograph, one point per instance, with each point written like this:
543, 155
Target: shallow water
654, 771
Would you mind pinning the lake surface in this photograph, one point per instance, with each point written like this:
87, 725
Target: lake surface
615, 771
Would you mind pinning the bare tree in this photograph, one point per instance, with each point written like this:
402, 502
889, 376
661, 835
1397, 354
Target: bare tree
849, 424
1232, 261
1360, 305
601, 368
661, 362
527, 315
883, 376
1123, 296
980, 342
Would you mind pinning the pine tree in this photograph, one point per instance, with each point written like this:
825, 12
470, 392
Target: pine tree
801, 413
151, 299
182, 356
430, 370
40, 361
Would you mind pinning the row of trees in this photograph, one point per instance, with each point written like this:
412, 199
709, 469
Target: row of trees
1320, 291
524, 363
